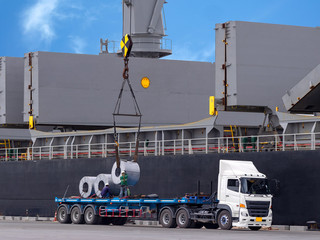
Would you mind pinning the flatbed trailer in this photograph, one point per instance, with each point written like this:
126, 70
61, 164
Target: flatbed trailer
185, 212
243, 199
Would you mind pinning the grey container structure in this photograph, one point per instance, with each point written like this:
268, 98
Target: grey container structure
262, 61
11, 90
305, 96
78, 89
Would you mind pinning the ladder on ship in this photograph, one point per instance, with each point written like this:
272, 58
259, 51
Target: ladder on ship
233, 132
5, 144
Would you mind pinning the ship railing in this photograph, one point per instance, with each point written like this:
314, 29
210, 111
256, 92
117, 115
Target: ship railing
279, 142
153, 44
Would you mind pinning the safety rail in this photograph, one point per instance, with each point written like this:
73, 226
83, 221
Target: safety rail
281, 142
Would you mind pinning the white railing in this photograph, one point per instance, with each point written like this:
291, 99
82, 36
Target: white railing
282, 142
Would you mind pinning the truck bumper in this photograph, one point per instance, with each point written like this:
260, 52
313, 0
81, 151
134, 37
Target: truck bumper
247, 221
252, 222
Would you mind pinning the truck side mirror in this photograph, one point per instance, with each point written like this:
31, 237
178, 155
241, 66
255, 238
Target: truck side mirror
274, 185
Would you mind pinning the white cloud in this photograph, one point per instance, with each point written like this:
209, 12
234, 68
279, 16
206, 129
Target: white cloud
45, 21
78, 44
37, 20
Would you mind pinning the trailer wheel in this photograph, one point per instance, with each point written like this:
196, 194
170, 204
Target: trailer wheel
90, 217
119, 221
210, 225
62, 215
76, 216
254, 228
166, 219
183, 220
225, 220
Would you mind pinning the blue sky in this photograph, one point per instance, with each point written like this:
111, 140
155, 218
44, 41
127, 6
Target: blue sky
76, 26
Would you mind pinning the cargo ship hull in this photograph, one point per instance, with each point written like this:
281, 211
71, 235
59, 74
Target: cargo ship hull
29, 187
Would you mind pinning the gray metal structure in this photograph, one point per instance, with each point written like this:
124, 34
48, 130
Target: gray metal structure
210, 135
293, 123
206, 128
256, 63
78, 89
143, 20
11, 90
305, 96
15, 134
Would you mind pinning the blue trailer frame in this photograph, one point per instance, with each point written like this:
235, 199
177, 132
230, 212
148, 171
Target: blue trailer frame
118, 210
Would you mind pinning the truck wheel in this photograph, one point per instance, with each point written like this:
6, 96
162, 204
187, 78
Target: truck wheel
254, 228
119, 221
76, 216
62, 215
183, 220
90, 217
166, 219
210, 225
225, 220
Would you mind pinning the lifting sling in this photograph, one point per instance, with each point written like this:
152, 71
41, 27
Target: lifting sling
126, 45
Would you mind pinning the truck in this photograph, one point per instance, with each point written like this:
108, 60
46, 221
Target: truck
243, 199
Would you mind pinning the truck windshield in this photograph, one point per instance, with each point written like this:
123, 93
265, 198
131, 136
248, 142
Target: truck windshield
254, 186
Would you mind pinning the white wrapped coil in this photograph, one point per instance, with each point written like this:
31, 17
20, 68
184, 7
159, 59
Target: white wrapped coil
101, 181
86, 186
132, 169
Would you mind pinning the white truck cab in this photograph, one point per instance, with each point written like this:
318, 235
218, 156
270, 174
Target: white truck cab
244, 194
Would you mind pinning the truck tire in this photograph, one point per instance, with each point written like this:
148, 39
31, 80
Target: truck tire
210, 225
76, 216
167, 220
62, 215
119, 221
90, 217
182, 219
254, 228
225, 220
